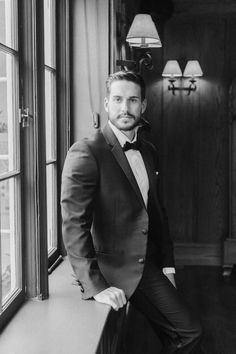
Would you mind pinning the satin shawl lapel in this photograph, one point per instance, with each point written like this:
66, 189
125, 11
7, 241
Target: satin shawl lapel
147, 158
122, 160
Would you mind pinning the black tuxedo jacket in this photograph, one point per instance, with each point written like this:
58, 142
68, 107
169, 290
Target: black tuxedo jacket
105, 222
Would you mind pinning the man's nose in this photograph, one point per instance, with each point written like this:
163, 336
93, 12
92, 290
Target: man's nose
124, 106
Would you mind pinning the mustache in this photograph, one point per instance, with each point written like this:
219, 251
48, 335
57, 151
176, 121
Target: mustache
128, 115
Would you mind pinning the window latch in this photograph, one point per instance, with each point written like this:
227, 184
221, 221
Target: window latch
25, 117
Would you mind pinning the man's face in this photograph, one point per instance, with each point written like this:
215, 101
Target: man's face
124, 105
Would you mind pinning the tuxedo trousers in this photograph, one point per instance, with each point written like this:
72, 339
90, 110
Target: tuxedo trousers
160, 302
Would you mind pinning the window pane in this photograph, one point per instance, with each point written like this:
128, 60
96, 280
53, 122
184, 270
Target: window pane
10, 237
50, 104
8, 23
49, 33
52, 206
8, 108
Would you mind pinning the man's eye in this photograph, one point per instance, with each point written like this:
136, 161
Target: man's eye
117, 99
133, 100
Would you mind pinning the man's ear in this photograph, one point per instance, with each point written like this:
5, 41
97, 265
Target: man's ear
144, 105
106, 104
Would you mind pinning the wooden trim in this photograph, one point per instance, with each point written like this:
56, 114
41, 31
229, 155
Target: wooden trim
229, 252
11, 309
198, 254
8, 50
63, 97
49, 68
51, 162
41, 221
9, 175
33, 145
204, 8
230, 242
112, 36
27, 148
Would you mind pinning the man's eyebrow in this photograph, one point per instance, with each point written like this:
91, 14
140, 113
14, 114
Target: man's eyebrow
118, 96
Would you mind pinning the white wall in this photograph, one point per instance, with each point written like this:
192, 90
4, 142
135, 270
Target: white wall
90, 63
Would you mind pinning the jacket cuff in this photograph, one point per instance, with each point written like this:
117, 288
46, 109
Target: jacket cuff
168, 270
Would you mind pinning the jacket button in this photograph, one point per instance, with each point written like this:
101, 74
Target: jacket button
145, 231
141, 260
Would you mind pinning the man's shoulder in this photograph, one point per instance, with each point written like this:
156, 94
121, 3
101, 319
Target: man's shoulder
149, 145
84, 153
92, 141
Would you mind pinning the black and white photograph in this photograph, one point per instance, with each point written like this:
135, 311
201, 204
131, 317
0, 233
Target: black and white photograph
117, 176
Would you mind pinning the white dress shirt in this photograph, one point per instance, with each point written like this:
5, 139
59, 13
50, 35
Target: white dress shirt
135, 161
138, 168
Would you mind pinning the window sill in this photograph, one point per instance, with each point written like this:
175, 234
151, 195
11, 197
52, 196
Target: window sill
62, 324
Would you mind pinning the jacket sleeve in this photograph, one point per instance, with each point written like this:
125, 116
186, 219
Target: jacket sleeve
166, 241
79, 183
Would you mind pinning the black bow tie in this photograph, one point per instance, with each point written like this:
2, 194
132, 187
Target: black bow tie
135, 146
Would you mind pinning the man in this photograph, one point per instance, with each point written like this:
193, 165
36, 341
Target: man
114, 226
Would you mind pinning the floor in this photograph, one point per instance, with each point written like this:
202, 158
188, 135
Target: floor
212, 297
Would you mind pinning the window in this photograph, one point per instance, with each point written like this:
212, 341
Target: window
51, 121
34, 55
10, 171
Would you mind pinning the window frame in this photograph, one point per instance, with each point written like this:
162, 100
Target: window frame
63, 61
35, 258
16, 297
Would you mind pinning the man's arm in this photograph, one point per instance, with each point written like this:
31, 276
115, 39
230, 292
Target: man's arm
79, 182
167, 243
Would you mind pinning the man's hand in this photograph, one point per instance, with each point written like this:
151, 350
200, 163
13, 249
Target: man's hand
112, 296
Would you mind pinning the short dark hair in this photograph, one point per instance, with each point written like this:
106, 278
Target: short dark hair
128, 76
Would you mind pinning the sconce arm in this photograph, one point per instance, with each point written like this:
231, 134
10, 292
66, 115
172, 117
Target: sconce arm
129, 64
145, 59
172, 86
192, 86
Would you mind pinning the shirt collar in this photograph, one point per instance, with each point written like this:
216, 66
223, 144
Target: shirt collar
121, 137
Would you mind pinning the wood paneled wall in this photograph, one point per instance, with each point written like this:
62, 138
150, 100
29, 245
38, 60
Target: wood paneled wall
191, 132
194, 129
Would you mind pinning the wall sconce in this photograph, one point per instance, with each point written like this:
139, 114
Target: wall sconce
142, 34
192, 70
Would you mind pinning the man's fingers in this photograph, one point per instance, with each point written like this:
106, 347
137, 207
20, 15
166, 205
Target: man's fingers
111, 300
107, 298
115, 297
112, 296
120, 296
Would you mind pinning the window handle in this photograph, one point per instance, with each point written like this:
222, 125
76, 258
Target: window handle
25, 117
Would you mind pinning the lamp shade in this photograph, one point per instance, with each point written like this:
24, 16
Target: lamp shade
193, 69
143, 33
172, 69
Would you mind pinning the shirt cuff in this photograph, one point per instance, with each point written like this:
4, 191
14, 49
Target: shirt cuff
168, 270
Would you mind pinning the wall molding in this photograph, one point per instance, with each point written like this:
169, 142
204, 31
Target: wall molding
209, 254
204, 8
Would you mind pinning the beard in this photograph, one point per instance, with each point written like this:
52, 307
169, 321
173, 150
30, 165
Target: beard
129, 126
